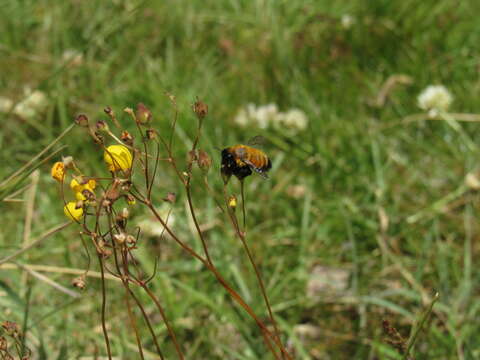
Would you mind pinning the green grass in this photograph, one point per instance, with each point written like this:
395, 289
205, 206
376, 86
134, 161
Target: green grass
360, 161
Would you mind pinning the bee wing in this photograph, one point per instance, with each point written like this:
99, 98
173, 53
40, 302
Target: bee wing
260, 172
257, 141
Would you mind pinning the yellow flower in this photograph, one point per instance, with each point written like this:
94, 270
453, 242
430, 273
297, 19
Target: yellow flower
118, 157
72, 212
58, 171
77, 187
232, 202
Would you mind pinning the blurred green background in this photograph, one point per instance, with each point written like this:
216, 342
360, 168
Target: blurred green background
366, 213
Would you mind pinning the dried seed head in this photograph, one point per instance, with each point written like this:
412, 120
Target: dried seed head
3, 343
81, 120
191, 156
151, 134
171, 197
101, 126
131, 240
79, 282
11, 328
98, 138
201, 109
143, 114
106, 253
124, 213
120, 238
67, 161
127, 138
108, 110
204, 160
126, 185
106, 204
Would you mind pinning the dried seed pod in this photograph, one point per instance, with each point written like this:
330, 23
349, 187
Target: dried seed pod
171, 197
204, 160
79, 282
127, 138
200, 108
81, 120
151, 134
120, 238
143, 114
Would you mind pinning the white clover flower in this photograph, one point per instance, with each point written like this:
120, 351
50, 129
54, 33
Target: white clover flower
265, 115
295, 119
347, 21
241, 118
435, 98
33, 102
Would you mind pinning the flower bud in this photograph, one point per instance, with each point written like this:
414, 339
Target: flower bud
171, 197
131, 239
101, 125
143, 114
130, 199
232, 201
68, 162
120, 238
151, 134
11, 328
108, 110
3, 343
204, 160
201, 109
127, 138
79, 282
81, 120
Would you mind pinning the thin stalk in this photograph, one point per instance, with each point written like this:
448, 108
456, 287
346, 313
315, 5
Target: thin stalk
149, 325
219, 278
165, 320
129, 307
104, 302
242, 191
241, 236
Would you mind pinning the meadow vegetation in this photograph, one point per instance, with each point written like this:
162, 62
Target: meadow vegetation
370, 209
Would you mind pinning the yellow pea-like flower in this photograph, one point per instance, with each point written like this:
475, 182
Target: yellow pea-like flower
58, 171
118, 157
72, 212
77, 187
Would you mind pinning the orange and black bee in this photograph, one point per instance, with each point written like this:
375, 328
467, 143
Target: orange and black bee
240, 160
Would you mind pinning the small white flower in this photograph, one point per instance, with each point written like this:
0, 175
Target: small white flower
435, 98
241, 118
347, 21
33, 102
295, 119
265, 114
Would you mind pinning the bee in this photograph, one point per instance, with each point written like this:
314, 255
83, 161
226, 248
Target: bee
242, 160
